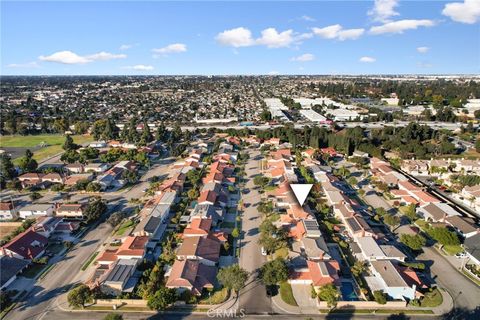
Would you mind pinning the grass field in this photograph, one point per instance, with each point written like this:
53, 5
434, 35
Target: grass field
54, 143
32, 141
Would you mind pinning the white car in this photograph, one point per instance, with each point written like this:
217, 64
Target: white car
461, 255
264, 252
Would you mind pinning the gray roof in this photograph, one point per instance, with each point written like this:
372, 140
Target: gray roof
389, 274
472, 246
122, 270
10, 267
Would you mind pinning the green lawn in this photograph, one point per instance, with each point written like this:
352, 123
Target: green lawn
90, 260
34, 140
452, 250
54, 143
216, 297
431, 299
121, 230
287, 294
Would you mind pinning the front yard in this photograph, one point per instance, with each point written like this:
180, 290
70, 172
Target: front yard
287, 294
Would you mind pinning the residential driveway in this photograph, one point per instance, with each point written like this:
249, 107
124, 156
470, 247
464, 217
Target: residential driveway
374, 200
302, 293
463, 291
253, 298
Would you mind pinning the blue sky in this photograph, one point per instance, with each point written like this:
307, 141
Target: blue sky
288, 37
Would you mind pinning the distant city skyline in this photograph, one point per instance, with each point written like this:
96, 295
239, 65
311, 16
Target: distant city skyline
240, 38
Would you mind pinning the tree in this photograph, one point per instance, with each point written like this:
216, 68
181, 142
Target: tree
95, 209
410, 212
78, 296
380, 297
233, 277
35, 196
162, 298
93, 187
274, 272
113, 316
477, 145
444, 236
359, 267
330, 294
414, 242
69, 145
7, 169
115, 219
235, 233
261, 181
27, 163
391, 220
193, 193
129, 176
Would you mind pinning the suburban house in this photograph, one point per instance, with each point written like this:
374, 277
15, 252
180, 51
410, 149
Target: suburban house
205, 250
11, 267
370, 250
206, 211
96, 167
74, 168
26, 245
388, 278
30, 179
120, 278
36, 210
46, 225
436, 212
472, 248
7, 210
71, 210
53, 177
316, 273
191, 275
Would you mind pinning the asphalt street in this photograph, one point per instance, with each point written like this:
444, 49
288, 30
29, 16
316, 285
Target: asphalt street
253, 298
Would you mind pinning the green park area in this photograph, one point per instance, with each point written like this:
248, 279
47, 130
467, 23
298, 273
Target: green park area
43, 146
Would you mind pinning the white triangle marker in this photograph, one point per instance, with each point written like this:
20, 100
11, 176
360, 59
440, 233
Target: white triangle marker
301, 191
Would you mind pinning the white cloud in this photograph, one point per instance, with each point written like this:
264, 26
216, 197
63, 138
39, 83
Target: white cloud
400, 26
105, 56
304, 57
238, 37
273, 73
336, 31
307, 18
274, 39
66, 57
330, 32
32, 64
423, 49
140, 67
367, 59
383, 9
350, 34
171, 48
466, 12
69, 57
125, 46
